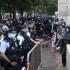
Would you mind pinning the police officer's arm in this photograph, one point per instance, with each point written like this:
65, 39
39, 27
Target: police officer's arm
3, 56
3, 47
29, 35
35, 42
46, 42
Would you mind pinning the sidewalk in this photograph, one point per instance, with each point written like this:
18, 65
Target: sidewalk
49, 60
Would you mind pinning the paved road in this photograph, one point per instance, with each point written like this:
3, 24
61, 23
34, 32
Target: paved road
49, 60
1, 68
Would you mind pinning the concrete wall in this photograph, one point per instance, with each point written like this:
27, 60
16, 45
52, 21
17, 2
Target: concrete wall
68, 57
64, 10
68, 7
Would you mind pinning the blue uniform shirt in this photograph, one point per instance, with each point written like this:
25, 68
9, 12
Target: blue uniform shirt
3, 46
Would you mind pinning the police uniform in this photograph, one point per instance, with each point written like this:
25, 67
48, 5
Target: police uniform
3, 46
12, 36
14, 53
6, 47
26, 45
20, 39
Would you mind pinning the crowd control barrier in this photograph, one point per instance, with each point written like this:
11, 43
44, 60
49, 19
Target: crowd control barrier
34, 58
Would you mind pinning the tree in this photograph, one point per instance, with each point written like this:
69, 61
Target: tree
20, 5
1, 6
41, 6
45, 6
52, 6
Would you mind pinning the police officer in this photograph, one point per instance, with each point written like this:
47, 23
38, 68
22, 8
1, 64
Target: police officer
32, 29
4, 45
27, 40
14, 51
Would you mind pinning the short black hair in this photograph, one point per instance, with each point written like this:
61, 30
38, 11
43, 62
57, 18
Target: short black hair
23, 26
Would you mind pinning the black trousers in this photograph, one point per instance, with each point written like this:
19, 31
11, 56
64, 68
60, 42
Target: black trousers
64, 57
25, 56
16, 67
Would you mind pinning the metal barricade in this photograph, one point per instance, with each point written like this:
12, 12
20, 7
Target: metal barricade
34, 58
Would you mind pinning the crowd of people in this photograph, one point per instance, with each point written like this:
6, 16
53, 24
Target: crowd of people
19, 36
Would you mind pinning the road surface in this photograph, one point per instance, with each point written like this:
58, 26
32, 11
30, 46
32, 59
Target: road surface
49, 60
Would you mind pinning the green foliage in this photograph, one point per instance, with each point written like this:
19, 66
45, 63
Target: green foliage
41, 6
49, 6
52, 6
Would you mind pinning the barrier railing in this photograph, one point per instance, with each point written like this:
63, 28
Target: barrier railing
34, 58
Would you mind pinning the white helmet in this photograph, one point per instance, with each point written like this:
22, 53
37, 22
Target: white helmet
5, 28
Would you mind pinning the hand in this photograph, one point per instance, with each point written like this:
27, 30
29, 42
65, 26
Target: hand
13, 63
42, 44
22, 58
37, 43
13, 48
